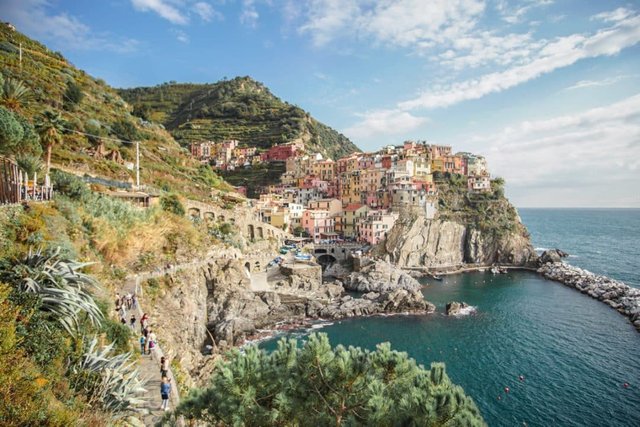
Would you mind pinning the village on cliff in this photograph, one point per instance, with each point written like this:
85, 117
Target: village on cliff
358, 197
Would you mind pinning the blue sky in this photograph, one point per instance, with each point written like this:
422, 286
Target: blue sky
547, 90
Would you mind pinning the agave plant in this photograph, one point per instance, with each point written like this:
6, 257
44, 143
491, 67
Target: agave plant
61, 286
110, 381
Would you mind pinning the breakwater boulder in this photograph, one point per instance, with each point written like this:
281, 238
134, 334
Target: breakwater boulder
617, 295
552, 255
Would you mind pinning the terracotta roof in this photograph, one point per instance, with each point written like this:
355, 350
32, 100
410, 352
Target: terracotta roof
353, 207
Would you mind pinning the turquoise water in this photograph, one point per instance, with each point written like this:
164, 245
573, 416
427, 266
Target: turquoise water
605, 241
574, 352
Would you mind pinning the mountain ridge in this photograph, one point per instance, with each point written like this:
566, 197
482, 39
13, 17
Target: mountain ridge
240, 108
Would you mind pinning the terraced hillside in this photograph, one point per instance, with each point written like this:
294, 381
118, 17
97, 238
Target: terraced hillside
241, 109
98, 110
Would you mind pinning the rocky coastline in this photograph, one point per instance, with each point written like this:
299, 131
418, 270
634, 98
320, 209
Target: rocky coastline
617, 295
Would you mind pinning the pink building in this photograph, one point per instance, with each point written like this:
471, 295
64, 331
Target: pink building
317, 222
375, 226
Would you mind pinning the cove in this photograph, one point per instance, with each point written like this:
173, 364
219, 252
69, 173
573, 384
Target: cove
574, 352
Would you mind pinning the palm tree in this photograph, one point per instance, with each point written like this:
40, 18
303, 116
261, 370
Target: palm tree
29, 163
50, 127
15, 94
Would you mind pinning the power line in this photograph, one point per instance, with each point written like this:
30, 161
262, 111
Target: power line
98, 136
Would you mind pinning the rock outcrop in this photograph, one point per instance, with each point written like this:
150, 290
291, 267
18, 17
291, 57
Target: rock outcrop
455, 308
552, 255
617, 295
379, 276
418, 242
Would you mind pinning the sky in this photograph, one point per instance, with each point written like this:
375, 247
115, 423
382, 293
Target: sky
547, 90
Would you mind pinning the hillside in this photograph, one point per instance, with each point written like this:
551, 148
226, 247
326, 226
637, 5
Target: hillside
98, 110
241, 109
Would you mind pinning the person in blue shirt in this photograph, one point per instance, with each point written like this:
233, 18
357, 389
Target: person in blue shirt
165, 391
143, 340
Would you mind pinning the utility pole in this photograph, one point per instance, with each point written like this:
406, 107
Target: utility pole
137, 165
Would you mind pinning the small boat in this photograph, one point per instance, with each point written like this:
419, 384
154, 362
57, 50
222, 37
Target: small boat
436, 277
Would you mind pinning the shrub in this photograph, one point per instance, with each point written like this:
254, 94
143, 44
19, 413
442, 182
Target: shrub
6, 46
72, 95
11, 131
69, 185
171, 203
125, 130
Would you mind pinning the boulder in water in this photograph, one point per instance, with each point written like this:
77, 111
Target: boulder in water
454, 308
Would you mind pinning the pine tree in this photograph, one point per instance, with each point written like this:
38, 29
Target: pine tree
317, 385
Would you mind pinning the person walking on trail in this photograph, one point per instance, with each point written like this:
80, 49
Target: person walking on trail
143, 321
143, 343
145, 334
132, 322
152, 341
134, 302
152, 348
164, 366
165, 391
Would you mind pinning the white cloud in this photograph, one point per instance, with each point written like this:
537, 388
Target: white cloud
181, 36
205, 11
616, 15
405, 23
164, 8
33, 17
566, 160
552, 55
598, 83
485, 47
249, 14
384, 122
515, 13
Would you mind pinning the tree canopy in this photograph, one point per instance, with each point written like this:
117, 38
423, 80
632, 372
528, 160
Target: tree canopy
315, 385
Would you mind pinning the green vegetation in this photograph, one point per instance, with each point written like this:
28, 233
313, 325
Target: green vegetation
256, 177
45, 86
72, 96
316, 385
489, 212
171, 203
241, 109
50, 374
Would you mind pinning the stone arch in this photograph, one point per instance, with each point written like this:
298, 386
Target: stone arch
209, 216
256, 266
247, 266
221, 218
326, 260
251, 230
194, 212
260, 233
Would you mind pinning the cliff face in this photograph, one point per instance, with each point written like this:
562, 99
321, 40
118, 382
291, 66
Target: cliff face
417, 242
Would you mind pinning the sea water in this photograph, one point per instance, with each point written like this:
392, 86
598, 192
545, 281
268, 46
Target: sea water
574, 352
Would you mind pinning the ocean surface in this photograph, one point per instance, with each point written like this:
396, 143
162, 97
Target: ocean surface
575, 353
